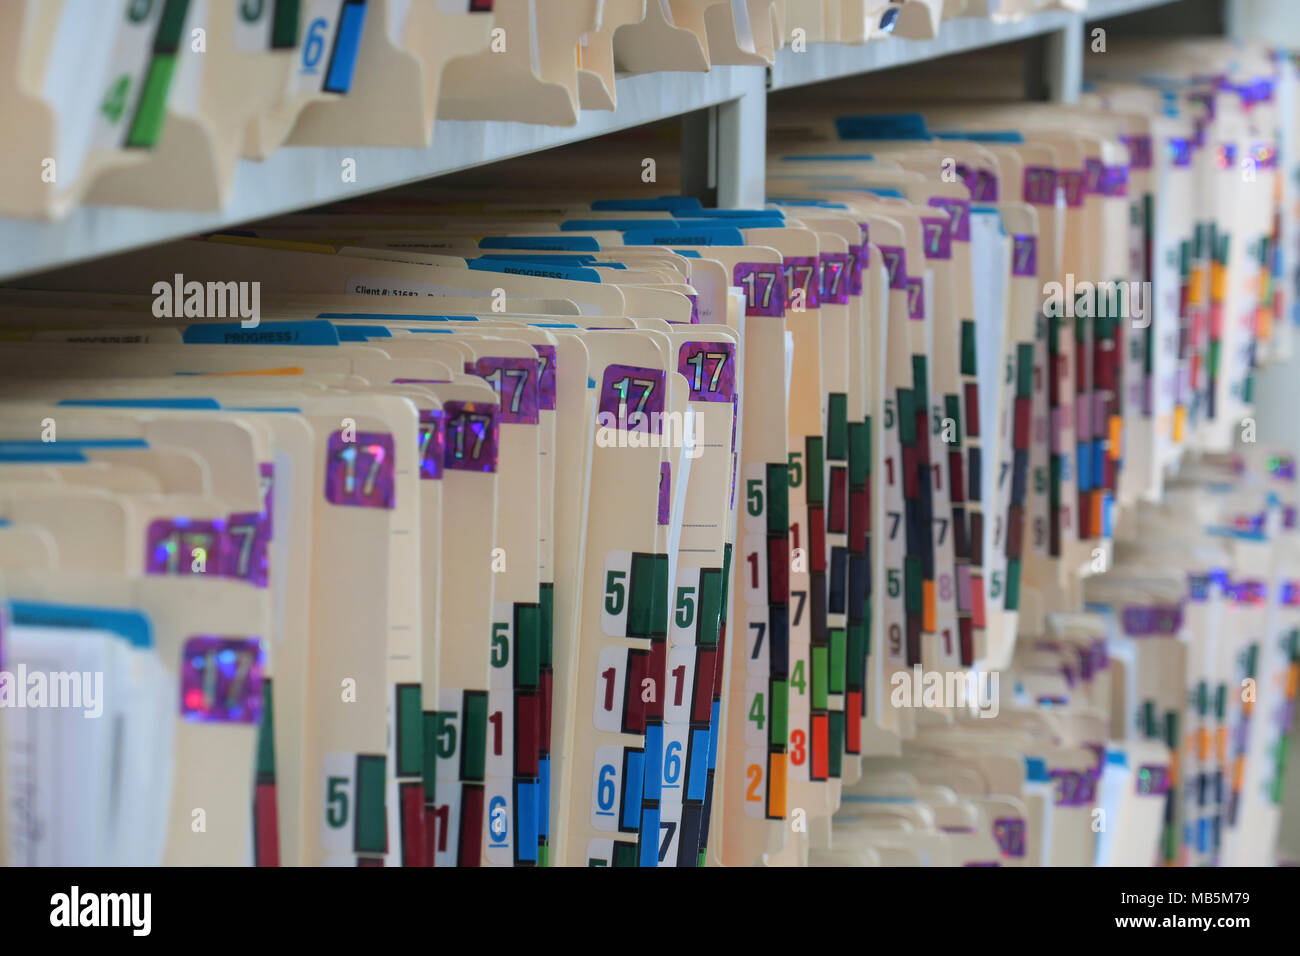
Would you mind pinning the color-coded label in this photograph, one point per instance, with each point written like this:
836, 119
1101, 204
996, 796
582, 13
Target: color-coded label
471, 436
1140, 151
802, 281
1146, 621
515, 382
546, 374
665, 492
1074, 788
936, 237
710, 369
958, 211
1024, 256
915, 299
1040, 185
632, 399
433, 444
1114, 181
1152, 780
896, 263
1071, 181
1282, 467
857, 256
360, 468
1180, 151
221, 680
185, 546
835, 278
764, 285
1248, 592
1093, 170
1009, 832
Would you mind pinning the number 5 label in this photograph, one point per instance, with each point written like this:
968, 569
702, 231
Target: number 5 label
339, 773
754, 492
683, 621
616, 596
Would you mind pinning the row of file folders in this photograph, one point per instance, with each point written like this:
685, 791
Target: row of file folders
863, 528
153, 103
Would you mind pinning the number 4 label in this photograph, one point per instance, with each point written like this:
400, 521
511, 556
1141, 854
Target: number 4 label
755, 712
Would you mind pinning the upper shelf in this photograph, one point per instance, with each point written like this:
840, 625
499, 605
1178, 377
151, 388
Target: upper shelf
833, 61
302, 177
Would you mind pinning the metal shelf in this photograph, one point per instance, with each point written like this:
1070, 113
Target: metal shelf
299, 177
961, 35
833, 60
1101, 9
302, 177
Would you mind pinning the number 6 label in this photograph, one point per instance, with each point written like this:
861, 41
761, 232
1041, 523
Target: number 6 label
607, 788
